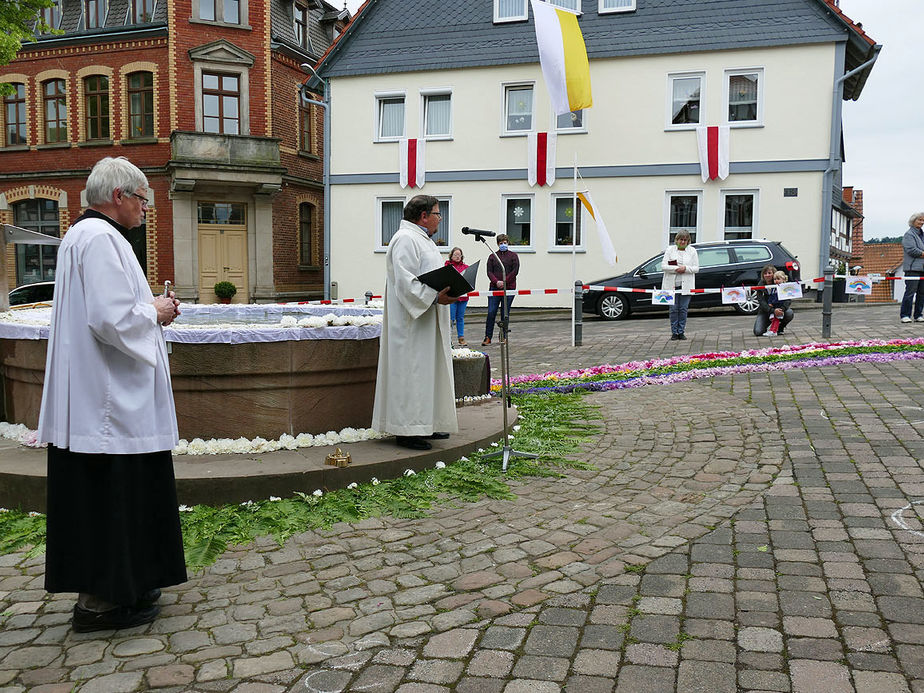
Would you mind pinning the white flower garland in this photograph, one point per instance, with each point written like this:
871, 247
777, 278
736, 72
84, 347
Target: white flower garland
221, 446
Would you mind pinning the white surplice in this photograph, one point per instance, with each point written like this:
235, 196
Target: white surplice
415, 392
107, 378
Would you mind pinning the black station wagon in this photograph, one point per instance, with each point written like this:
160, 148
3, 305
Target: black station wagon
721, 264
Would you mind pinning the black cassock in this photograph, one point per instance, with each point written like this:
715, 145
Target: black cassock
113, 529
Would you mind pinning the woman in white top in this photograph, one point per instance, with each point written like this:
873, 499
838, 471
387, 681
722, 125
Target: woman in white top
680, 265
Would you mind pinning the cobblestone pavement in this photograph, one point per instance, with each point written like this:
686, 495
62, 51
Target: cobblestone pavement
751, 532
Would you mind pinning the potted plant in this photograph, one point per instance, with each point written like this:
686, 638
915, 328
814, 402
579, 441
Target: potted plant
225, 291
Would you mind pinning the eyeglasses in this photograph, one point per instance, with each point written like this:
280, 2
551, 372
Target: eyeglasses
439, 214
144, 201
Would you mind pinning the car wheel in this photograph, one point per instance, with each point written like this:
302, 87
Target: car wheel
613, 306
750, 305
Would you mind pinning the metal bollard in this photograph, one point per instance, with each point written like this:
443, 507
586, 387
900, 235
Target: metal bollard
578, 319
826, 302
368, 297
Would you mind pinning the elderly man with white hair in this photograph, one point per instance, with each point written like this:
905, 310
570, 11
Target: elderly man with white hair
113, 528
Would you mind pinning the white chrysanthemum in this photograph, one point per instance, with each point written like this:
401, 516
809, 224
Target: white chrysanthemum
318, 492
440, 464
275, 498
352, 486
375, 482
185, 509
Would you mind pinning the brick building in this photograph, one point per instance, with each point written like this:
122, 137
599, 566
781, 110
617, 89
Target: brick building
203, 95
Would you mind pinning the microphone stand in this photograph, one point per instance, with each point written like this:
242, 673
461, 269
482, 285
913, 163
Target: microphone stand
506, 452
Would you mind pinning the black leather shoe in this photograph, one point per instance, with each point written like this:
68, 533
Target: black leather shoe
439, 435
413, 442
681, 336
148, 599
86, 621
675, 337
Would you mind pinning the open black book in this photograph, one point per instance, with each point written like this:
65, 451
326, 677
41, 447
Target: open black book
447, 275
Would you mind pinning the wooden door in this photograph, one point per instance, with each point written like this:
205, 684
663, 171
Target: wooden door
222, 257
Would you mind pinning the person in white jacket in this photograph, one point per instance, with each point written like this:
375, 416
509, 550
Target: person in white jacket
680, 265
113, 528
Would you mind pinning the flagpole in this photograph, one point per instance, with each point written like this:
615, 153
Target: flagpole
574, 218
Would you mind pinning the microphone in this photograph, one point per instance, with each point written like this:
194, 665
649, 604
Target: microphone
476, 232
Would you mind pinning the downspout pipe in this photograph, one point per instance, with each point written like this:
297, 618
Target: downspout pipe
325, 104
834, 162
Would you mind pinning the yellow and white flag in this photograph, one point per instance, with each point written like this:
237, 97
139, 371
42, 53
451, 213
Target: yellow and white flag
563, 57
606, 244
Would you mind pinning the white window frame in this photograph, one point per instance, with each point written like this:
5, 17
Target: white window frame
755, 193
666, 232
505, 87
516, 18
553, 247
669, 100
602, 9
759, 123
379, 201
564, 6
582, 130
425, 95
502, 225
381, 96
445, 223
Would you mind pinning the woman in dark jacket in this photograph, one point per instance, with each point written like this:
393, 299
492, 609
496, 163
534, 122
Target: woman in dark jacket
913, 266
785, 314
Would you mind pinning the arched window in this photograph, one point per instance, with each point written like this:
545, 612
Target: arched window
140, 105
14, 113
306, 244
96, 101
55, 99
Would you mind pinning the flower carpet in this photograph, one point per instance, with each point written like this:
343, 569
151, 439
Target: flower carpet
676, 369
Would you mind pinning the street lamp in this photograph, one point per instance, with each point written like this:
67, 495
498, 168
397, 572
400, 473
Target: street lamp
325, 104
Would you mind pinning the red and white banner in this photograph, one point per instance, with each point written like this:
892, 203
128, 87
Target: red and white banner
411, 171
713, 152
540, 157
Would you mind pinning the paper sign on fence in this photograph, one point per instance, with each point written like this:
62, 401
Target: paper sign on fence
859, 285
661, 297
733, 294
789, 290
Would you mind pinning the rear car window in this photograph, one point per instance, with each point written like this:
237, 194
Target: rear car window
753, 253
712, 257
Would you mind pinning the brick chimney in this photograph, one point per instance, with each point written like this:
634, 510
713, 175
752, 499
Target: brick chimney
855, 199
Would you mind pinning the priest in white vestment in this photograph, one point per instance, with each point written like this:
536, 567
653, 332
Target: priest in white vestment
113, 529
415, 392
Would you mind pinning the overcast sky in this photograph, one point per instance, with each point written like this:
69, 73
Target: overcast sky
883, 131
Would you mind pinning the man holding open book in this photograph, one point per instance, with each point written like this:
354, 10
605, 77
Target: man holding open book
415, 394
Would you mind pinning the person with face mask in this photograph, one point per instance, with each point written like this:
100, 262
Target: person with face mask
680, 265
511, 262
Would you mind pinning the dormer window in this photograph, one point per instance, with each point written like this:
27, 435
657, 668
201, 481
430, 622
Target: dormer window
607, 6
509, 10
300, 11
52, 15
140, 11
94, 13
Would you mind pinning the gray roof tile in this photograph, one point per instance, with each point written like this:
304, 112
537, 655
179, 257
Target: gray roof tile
409, 35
